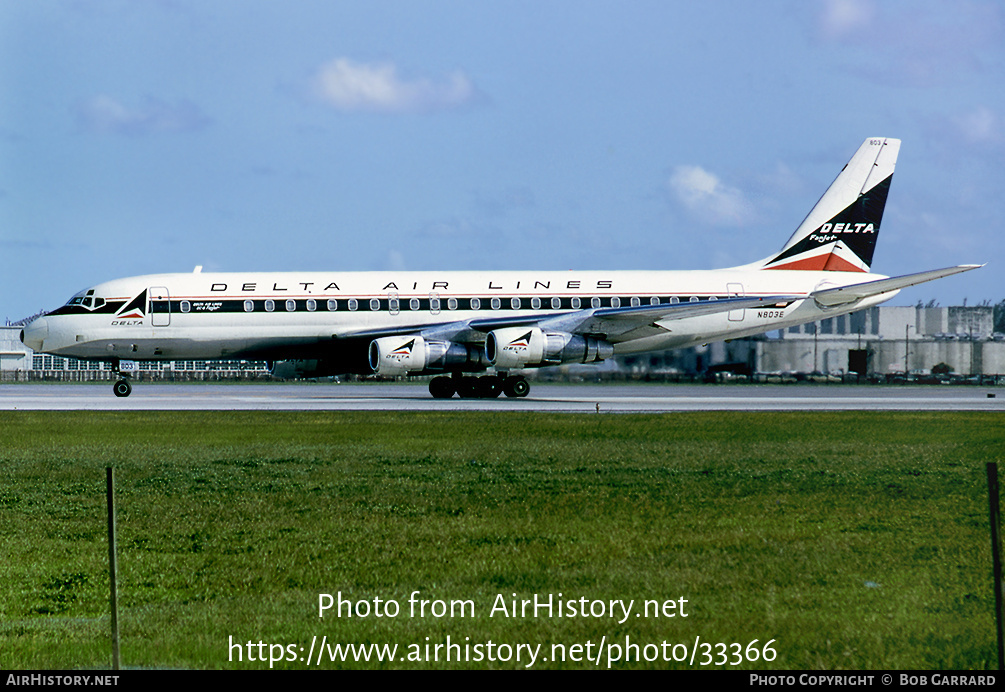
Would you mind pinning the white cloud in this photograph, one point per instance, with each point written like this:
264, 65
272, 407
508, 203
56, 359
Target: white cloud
105, 114
845, 19
395, 260
980, 126
915, 44
978, 132
708, 198
351, 86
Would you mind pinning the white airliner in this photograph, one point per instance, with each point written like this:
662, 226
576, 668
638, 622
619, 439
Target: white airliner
312, 324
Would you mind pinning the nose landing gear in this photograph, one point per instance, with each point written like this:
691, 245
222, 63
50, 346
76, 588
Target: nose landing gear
122, 388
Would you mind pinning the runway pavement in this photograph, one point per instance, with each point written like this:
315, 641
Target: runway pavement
575, 398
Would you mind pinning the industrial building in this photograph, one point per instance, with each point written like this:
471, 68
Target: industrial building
879, 342
882, 343
891, 340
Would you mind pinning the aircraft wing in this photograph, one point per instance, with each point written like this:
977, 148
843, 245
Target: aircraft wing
679, 311
608, 321
612, 322
830, 297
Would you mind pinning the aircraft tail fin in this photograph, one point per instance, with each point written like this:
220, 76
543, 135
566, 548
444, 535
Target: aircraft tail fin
839, 233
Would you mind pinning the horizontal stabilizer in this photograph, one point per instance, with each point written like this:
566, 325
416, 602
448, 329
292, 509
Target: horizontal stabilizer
831, 297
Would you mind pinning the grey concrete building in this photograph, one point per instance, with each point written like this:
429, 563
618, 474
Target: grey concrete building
890, 340
14, 356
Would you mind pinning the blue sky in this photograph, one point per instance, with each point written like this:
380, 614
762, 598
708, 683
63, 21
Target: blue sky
149, 136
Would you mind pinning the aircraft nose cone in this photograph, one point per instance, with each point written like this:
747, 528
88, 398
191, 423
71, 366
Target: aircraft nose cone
35, 333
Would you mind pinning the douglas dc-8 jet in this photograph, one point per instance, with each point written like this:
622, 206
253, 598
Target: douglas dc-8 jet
312, 324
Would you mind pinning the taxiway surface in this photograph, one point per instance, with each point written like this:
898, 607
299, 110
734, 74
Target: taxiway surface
580, 398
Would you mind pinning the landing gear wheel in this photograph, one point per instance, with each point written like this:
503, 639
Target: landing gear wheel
122, 388
441, 387
486, 387
466, 387
493, 386
517, 387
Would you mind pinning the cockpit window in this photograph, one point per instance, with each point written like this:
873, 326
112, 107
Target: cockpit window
88, 301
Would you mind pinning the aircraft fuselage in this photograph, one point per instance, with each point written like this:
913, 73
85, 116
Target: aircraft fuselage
276, 315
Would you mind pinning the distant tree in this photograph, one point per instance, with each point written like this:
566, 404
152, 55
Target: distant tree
941, 369
999, 317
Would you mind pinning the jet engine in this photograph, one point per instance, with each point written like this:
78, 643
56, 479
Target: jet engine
521, 347
400, 355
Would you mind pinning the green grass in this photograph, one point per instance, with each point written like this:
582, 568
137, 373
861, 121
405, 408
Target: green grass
854, 540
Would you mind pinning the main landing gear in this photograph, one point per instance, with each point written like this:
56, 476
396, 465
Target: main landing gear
122, 387
484, 387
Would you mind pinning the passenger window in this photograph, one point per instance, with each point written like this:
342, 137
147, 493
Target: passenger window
353, 304
674, 300
535, 303
615, 302
312, 305
186, 306
451, 303
514, 303
374, 304
655, 300
694, 299
270, 305
249, 305
635, 302
291, 305
576, 303
476, 303
332, 305
413, 304
595, 302
496, 303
